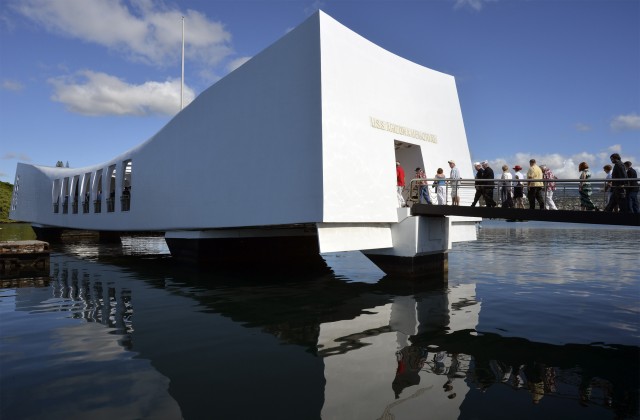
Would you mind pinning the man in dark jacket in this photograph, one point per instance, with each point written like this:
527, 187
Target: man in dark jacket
618, 185
632, 189
489, 185
479, 189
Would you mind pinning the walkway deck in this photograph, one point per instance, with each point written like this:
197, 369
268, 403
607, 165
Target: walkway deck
568, 216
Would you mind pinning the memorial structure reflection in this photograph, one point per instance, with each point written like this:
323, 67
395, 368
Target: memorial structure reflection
389, 347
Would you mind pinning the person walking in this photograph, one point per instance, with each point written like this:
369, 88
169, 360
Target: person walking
607, 184
400, 184
534, 186
423, 187
632, 190
618, 185
440, 191
479, 176
550, 187
506, 189
584, 187
518, 189
454, 175
489, 185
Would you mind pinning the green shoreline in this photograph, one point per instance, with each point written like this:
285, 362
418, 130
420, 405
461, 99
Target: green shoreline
6, 189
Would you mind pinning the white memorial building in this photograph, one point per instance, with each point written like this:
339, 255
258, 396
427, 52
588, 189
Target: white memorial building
289, 156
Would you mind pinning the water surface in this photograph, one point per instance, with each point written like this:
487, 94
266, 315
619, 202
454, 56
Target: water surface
534, 320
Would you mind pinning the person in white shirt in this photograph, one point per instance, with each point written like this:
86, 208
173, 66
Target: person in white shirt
518, 189
454, 174
607, 184
550, 188
506, 189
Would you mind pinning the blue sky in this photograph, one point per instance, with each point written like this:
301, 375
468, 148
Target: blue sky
83, 81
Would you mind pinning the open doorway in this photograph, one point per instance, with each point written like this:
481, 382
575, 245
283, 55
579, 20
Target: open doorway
410, 157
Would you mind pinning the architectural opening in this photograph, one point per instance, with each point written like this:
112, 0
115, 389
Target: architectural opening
97, 187
125, 198
65, 193
111, 179
55, 195
86, 188
75, 185
410, 157
16, 191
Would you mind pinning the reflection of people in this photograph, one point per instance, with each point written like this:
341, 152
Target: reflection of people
518, 190
454, 174
534, 187
585, 187
410, 360
400, 184
423, 188
440, 187
451, 375
535, 381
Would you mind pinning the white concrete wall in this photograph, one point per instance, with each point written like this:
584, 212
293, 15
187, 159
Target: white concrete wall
360, 80
246, 152
286, 138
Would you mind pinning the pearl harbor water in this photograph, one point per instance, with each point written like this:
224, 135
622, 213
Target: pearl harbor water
534, 320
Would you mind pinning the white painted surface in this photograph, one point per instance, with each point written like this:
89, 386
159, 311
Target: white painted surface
335, 237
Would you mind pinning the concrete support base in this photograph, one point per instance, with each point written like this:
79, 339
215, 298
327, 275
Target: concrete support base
47, 234
428, 265
105, 236
267, 252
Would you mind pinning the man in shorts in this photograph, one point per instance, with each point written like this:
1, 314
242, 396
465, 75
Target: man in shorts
454, 174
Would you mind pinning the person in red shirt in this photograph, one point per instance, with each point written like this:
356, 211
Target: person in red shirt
400, 184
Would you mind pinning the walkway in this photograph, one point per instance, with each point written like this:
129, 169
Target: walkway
568, 216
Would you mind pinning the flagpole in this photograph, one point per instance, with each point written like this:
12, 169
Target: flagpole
182, 80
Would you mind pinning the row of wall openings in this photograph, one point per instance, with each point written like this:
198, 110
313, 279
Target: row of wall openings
77, 193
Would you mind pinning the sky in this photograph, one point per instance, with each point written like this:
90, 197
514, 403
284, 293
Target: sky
82, 81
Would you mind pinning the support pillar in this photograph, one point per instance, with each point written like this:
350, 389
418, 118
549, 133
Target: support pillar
420, 247
47, 234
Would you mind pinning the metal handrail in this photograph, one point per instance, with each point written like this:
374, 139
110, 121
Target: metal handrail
565, 194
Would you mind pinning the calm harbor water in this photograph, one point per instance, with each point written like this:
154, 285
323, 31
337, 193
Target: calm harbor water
534, 321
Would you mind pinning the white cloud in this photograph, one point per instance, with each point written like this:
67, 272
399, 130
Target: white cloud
12, 85
564, 166
630, 122
476, 5
147, 31
18, 156
583, 127
234, 64
92, 93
